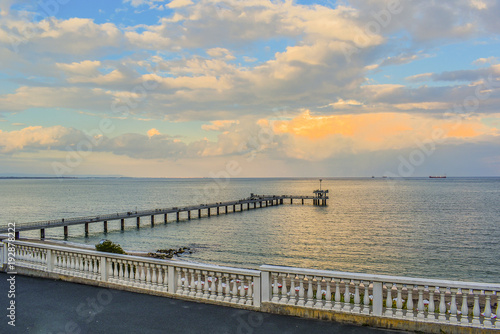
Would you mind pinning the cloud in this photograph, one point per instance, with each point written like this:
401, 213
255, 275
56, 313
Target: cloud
153, 132
221, 125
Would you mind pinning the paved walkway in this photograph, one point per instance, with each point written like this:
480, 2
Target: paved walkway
49, 306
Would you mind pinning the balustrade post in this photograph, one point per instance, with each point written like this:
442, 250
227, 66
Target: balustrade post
284, 296
347, 296
409, 303
366, 298
257, 288
476, 310
378, 298
50, 261
487, 310
388, 301
265, 291
310, 300
453, 306
442, 305
103, 266
465, 308
293, 294
399, 301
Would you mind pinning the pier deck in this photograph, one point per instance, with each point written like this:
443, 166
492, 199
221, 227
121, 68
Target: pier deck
262, 200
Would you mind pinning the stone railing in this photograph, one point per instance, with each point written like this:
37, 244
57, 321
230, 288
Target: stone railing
460, 304
199, 281
435, 301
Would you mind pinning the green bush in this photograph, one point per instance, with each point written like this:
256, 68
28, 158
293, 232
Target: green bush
109, 247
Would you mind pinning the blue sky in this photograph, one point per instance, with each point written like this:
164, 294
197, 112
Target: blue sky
282, 88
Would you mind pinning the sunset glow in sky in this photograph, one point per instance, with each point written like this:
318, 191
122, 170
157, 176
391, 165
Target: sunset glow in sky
187, 88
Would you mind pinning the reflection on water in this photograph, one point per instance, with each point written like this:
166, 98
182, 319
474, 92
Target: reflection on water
444, 228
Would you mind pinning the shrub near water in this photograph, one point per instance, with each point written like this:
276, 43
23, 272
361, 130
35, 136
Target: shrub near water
109, 247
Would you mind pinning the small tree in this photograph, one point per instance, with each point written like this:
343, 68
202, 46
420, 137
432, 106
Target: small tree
109, 247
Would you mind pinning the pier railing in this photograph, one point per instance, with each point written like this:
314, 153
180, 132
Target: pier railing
462, 304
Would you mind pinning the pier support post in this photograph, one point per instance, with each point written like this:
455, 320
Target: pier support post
199, 213
138, 222
234, 207
189, 215
241, 207
86, 229
302, 201
291, 200
208, 212
281, 201
378, 298
152, 220
42, 233
226, 210
166, 217
16, 235
66, 231
217, 210
255, 205
248, 206
122, 224
178, 215
105, 226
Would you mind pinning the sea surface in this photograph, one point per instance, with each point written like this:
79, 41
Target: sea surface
419, 227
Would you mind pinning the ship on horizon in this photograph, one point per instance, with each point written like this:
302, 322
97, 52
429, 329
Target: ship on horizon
437, 177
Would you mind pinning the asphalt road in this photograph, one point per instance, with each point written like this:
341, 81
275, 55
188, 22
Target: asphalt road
57, 307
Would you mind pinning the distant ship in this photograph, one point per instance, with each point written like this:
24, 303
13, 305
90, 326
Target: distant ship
437, 177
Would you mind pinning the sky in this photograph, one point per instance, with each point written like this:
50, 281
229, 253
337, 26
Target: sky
250, 88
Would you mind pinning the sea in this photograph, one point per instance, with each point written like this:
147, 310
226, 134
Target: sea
416, 227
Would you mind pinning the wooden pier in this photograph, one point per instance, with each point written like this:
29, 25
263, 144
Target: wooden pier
252, 202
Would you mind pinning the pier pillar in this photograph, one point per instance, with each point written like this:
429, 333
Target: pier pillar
217, 210
254, 205
122, 224
302, 201
152, 220
66, 231
16, 235
199, 213
291, 200
208, 212
138, 222
189, 215
248, 206
42, 233
281, 201
226, 210
166, 218
234, 207
86, 228
105, 226
178, 215
241, 207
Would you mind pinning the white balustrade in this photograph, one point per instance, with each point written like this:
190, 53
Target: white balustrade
402, 298
436, 301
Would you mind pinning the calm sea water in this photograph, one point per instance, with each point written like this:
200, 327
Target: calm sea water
433, 228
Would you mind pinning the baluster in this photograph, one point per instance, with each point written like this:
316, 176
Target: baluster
293, 294
96, 268
119, 263
87, 266
284, 293
160, 284
250, 291
476, 310
465, 308
319, 293
301, 291
275, 298
420, 306
179, 281
143, 275
137, 274
90, 267
149, 277
442, 305
453, 306
431, 308
192, 284
310, 300
234, 292
187, 275
213, 286
328, 294
227, 297
199, 286
337, 295
154, 276
110, 270
80, 266
409, 303
366, 298
399, 302
206, 286
357, 298
242, 300
487, 310
220, 291
347, 296
388, 301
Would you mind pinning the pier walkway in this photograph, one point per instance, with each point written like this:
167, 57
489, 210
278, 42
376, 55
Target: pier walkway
52, 306
252, 202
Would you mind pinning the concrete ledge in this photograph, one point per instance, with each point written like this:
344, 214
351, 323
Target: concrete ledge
372, 321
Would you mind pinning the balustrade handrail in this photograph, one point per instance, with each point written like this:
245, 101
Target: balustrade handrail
381, 278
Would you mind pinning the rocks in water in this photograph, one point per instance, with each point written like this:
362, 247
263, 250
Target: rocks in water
169, 253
